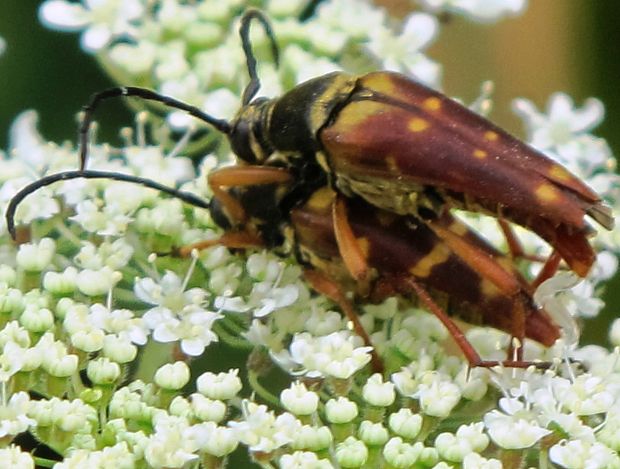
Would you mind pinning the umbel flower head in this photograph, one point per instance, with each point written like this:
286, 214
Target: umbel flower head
105, 332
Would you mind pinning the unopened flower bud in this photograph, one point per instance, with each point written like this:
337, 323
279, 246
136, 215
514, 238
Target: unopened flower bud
351, 453
222, 386
34, 257
298, 400
340, 410
172, 376
103, 371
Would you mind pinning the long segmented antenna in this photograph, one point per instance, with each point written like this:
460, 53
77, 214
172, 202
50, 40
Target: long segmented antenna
144, 93
244, 30
220, 124
187, 197
96, 99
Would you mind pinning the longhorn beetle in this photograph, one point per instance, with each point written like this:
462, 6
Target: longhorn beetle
397, 144
404, 255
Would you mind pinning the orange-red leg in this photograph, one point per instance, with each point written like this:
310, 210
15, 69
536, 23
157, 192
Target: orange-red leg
514, 245
468, 350
488, 267
231, 239
478, 259
548, 270
515, 348
324, 285
348, 245
243, 176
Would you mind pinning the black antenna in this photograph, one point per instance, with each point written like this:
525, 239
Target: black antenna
221, 125
309, 10
244, 31
187, 197
144, 93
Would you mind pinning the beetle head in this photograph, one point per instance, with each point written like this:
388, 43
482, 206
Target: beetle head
246, 134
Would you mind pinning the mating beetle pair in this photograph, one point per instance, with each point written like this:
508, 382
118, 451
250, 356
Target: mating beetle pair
397, 147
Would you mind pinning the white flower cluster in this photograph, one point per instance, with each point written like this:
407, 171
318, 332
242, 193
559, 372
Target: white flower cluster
563, 133
190, 50
93, 294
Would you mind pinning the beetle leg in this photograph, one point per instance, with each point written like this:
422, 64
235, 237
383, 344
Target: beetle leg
517, 334
478, 259
468, 350
324, 285
514, 245
491, 270
231, 239
348, 245
548, 270
466, 347
241, 176
551, 264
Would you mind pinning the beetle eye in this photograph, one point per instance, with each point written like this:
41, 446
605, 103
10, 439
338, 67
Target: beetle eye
216, 209
240, 141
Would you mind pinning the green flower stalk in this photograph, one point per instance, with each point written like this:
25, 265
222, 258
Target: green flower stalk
102, 331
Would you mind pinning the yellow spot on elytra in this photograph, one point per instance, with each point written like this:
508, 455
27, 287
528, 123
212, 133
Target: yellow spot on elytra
391, 164
480, 154
364, 246
557, 172
381, 82
491, 136
424, 266
546, 192
417, 124
355, 113
432, 104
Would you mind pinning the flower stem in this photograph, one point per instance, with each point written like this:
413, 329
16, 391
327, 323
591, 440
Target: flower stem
261, 390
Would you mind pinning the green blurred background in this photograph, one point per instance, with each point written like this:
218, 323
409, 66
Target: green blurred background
559, 45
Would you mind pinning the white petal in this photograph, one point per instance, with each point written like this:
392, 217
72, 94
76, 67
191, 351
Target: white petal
528, 112
560, 106
96, 4
165, 332
130, 10
422, 27
588, 117
96, 37
193, 347
486, 10
426, 70
26, 141
63, 15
